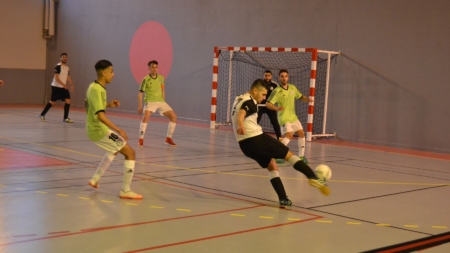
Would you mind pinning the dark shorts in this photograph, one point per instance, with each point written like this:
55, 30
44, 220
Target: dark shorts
262, 148
59, 94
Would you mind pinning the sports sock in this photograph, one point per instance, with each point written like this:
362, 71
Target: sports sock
66, 111
170, 129
301, 146
103, 166
302, 167
128, 174
142, 128
285, 141
47, 107
277, 184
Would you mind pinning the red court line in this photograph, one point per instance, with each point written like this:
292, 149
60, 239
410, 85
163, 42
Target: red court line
61, 232
24, 235
126, 225
415, 245
216, 236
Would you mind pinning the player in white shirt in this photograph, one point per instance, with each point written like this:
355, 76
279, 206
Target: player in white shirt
263, 148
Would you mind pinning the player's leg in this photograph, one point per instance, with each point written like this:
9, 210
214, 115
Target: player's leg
261, 111
53, 99
167, 111
301, 145
148, 110
274, 121
277, 184
300, 166
66, 98
102, 167
126, 192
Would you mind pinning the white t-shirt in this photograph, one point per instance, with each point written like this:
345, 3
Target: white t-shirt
63, 71
249, 105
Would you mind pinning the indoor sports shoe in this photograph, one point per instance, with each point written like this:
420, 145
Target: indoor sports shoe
285, 202
68, 120
304, 160
93, 183
42, 118
141, 142
129, 195
320, 184
169, 141
279, 160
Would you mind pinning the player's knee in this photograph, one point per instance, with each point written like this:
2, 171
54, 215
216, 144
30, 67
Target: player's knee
301, 133
288, 135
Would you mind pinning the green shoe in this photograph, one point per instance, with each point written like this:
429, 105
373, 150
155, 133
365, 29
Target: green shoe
280, 161
304, 160
285, 202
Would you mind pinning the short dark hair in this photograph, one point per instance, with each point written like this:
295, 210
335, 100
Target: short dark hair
102, 64
283, 71
152, 62
63, 54
268, 71
258, 83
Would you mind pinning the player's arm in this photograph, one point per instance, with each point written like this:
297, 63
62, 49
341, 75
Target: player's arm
102, 117
1, 83
306, 99
59, 81
273, 107
240, 121
69, 80
113, 103
163, 92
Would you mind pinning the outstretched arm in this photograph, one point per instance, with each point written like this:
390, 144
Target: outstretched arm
273, 107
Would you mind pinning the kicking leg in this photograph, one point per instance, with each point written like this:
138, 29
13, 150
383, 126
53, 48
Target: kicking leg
102, 167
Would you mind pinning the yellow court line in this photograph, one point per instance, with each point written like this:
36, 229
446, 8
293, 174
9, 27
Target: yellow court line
41, 192
84, 198
239, 215
223, 173
439, 226
62, 195
411, 226
293, 219
265, 217
107, 201
353, 223
324, 221
131, 204
184, 210
159, 207
383, 225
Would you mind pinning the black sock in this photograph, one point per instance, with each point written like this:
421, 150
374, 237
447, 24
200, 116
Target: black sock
278, 187
305, 169
47, 107
66, 110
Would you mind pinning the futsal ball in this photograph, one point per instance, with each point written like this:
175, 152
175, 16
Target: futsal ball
323, 171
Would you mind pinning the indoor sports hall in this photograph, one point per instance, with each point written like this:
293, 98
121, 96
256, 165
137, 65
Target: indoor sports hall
374, 84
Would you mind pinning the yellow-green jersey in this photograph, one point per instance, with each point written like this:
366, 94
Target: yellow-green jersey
95, 102
152, 88
286, 98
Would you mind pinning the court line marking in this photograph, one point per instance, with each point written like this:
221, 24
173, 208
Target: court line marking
218, 172
238, 215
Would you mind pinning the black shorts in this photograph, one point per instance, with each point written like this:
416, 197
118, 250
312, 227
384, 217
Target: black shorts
59, 94
262, 148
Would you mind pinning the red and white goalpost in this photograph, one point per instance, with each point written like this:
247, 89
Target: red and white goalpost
240, 70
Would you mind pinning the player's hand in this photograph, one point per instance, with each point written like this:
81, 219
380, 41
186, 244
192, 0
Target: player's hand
123, 134
280, 108
310, 99
65, 87
72, 89
140, 110
240, 131
115, 103
1, 82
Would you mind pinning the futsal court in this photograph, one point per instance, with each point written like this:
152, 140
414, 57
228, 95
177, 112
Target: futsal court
205, 196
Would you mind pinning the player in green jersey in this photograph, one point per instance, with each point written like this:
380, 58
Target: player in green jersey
285, 96
104, 133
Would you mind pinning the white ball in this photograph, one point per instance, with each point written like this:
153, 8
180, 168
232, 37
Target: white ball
323, 171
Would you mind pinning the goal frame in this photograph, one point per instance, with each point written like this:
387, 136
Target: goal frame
312, 82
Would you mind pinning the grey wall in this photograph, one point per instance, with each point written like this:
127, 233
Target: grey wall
389, 86
22, 52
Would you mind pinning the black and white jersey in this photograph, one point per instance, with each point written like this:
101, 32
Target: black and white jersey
249, 105
63, 71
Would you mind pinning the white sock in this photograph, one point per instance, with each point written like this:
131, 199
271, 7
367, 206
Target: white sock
274, 174
293, 160
285, 141
128, 174
103, 166
142, 128
170, 129
301, 146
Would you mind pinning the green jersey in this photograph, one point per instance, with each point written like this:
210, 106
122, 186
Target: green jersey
285, 98
152, 88
95, 102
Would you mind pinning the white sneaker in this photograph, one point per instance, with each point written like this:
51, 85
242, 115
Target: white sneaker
129, 195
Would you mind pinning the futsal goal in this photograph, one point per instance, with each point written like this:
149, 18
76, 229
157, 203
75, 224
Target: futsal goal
235, 69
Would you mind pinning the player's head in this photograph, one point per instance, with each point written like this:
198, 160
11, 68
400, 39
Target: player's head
283, 76
64, 58
153, 67
104, 70
258, 90
267, 75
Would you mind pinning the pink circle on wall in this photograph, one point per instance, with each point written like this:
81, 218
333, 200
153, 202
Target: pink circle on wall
151, 41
